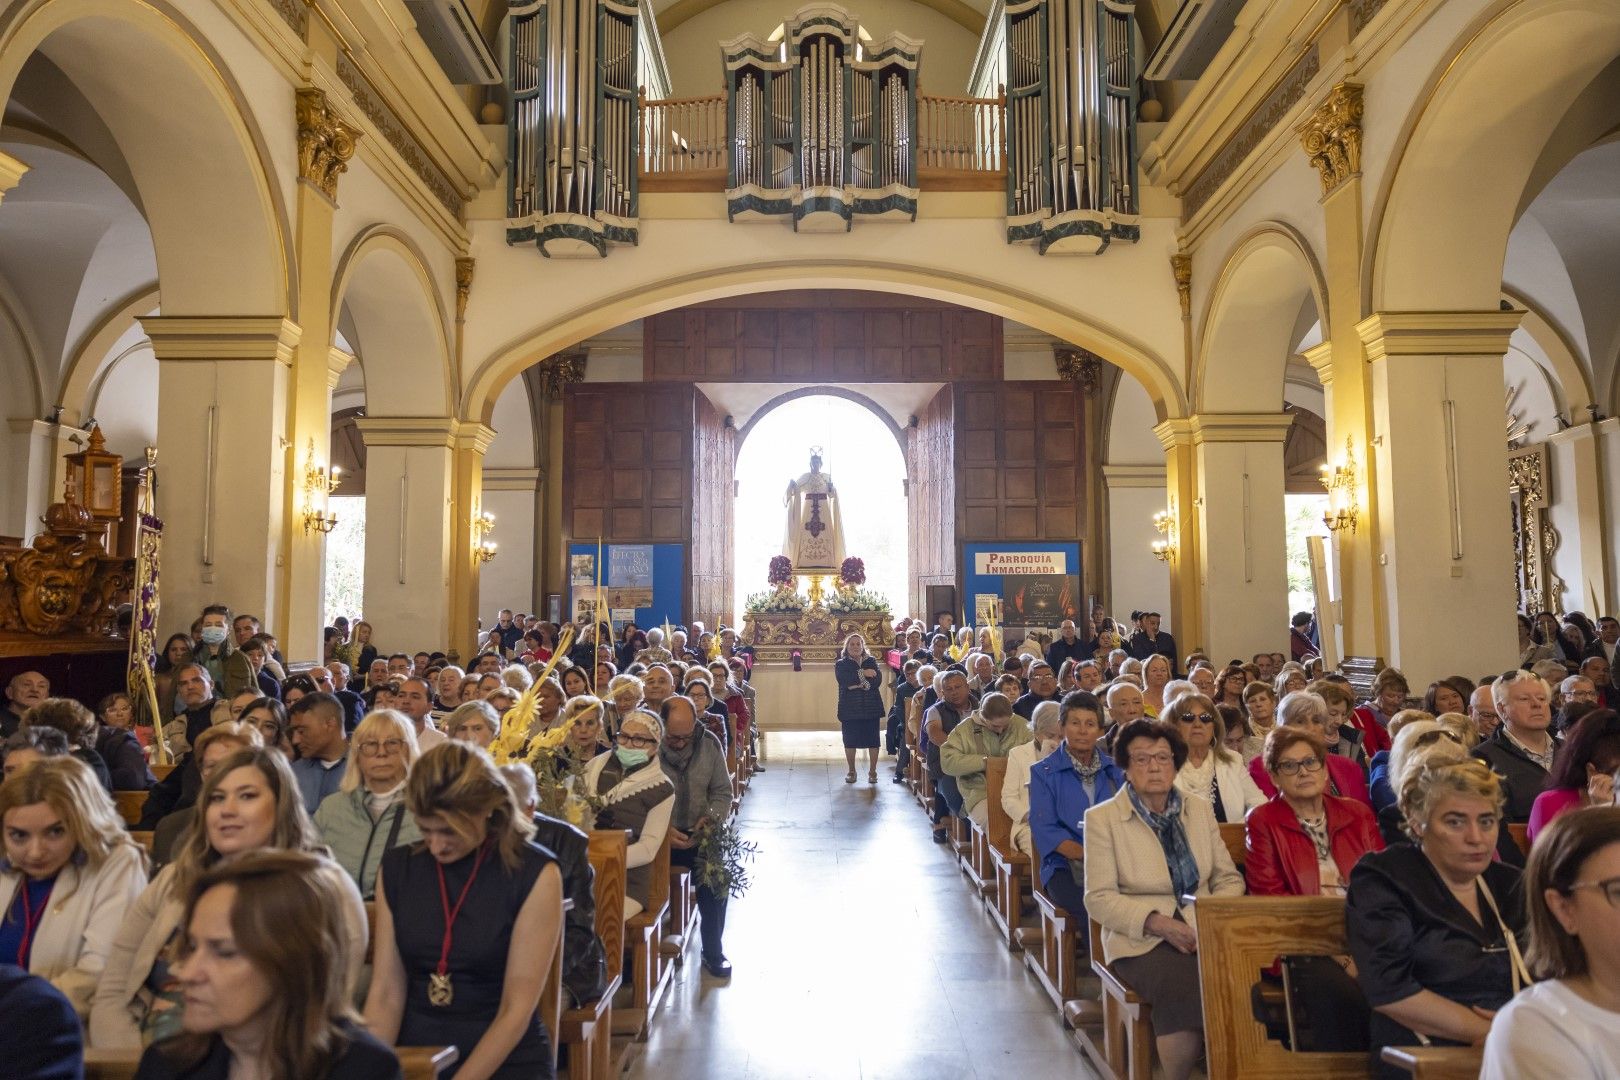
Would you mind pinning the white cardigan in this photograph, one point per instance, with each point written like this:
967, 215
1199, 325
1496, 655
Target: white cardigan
75, 935
1015, 791
1239, 793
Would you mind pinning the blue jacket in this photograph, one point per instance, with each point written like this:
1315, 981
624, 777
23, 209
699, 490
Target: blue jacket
1058, 804
316, 781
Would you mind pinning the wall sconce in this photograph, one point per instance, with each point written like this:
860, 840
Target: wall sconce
1164, 548
1340, 482
318, 485
483, 547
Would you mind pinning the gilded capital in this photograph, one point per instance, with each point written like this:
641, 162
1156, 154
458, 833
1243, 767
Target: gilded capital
1181, 267
1332, 136
464, 280
325, 142
1079, 366
560, 371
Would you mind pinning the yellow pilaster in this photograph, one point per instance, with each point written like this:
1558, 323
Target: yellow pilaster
1181, 494
467, 485
11, 172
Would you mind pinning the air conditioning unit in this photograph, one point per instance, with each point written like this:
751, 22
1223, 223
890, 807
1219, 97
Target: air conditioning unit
452, 36
1192, 39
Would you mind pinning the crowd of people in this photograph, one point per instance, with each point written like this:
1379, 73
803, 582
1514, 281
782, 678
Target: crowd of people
233, 942
1122, 765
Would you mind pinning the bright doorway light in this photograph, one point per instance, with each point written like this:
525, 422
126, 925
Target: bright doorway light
346, 558
861, 454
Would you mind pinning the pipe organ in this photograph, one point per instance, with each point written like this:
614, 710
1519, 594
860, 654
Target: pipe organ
823, 124
573, 126
1071, 124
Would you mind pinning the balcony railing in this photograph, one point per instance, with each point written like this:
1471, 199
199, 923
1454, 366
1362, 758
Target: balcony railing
961, 142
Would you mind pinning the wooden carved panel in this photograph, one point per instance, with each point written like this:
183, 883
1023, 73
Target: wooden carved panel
627, 475
930, 457
822, 335
1020, 461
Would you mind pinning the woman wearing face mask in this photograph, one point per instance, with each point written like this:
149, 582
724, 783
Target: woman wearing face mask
365, 817
467, 923
264, 964
636, 795
249, 801
70, 871
1046, 727
229, 669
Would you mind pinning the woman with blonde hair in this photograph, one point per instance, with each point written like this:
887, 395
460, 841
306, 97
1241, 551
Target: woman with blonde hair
1155, 681
623, 697
1434, 926
1211, 771
70, 871
265, 966
860, 704
586, 739
468, 921
249, 801
365, 818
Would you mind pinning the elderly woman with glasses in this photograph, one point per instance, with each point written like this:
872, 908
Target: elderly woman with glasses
1434, 925
1145, 849
1212, 772
366, 816
635, 795
1304, 842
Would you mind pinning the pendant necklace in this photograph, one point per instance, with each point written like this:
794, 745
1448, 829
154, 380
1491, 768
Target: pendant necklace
440, 993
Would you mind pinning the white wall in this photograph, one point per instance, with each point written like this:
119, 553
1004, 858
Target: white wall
1137, 579
513, 445
126, 404
508, 579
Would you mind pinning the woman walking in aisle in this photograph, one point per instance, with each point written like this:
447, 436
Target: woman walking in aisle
860, 704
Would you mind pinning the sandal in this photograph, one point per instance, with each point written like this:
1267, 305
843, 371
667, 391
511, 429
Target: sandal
871, 777
849, 777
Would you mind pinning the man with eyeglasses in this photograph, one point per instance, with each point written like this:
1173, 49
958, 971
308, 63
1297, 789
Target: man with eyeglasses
1043, 686
1522, 750
695, 764
1482, 711
315, 723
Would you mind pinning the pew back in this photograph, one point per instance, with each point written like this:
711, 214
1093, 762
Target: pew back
999, 824
1238, 937
608, 857
1233, 835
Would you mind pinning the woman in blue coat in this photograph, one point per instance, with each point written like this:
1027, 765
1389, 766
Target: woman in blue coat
1062, 787
860, 704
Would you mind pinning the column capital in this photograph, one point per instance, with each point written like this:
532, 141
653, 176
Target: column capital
1079, 366
1116, 477
1240, 427
1320, 357
464, 283
337, 362
1181, 268
208, 337
1437, 333
559, 371
1177, 431
1332, 136
11, 171
524, 480
325, 142
419, 431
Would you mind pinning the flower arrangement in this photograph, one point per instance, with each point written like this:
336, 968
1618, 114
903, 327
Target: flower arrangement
782, 601
780, 574
855, 599
852, 572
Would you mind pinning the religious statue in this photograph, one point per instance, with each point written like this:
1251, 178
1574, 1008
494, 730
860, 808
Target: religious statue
815, 529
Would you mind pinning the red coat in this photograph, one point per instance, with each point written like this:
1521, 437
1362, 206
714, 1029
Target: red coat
1374, 736
1345, 775
1280, 858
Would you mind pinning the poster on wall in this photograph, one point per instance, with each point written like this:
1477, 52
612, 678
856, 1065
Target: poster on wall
1042, 600
582, 569
620, 616
630, 566
986, 606
628, 598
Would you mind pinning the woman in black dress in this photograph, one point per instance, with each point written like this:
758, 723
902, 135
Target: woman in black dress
467, 923
860, 704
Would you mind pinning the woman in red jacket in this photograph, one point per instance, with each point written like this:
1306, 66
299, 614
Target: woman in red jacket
1304, 841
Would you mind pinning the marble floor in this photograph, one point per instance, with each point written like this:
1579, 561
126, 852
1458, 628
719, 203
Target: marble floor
858, 952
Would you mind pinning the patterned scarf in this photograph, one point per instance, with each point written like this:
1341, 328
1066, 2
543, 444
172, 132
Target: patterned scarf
1173, 838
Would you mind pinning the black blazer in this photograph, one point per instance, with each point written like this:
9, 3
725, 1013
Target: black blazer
1408, 933
858, 704
40, 1039
365, 1059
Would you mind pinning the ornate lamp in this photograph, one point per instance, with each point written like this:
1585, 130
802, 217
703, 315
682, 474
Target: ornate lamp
95, 479
1340, 481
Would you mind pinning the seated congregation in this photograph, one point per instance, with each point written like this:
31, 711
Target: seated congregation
436, 872
1265, 873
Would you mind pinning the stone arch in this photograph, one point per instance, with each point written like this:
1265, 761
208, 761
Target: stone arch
824, 391
1572, 387
1455, 188
226, 254
92, 358
495, 371
403, 338
1250, 320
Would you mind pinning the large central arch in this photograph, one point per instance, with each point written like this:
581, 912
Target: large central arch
1038, 312
820, 390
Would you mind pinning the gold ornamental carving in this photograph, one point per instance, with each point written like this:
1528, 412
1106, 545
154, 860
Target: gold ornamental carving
561, 370
1181, 267
464, 280
65, 582
816, 634
1332, 136
325, 142
1534, 537
1079, 366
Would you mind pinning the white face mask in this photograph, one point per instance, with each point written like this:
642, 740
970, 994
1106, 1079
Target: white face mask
213, 635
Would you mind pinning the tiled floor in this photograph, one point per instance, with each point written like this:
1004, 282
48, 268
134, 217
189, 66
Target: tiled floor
858, 952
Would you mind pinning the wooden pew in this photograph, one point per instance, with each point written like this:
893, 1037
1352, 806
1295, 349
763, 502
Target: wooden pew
649, 971
1437, 1062
587, 1031
1127, 1020
1008, 865
131, 805
417, 1062
1056, 963
161, 772
1234, 836
683, 914
1521, 836
976, 864
1238, 937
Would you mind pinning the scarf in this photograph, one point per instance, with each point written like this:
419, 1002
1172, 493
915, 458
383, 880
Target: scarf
1173, 839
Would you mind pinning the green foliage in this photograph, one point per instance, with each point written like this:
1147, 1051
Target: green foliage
721, 864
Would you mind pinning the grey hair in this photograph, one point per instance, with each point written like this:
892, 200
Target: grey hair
468, 710
1499, 688
1047, 719
1176, 687
655, 636
1302, 705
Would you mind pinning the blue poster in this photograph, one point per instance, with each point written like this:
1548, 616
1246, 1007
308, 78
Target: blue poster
630, 566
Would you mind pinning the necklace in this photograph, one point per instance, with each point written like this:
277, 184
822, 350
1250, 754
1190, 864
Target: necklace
440, 992
31, 918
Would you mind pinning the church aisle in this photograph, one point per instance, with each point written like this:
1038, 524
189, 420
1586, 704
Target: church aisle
858, 951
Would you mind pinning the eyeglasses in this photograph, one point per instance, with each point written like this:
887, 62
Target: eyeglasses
1293, 768
1610, 887
372, 748
1197, 717
1144, 760
637, 740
